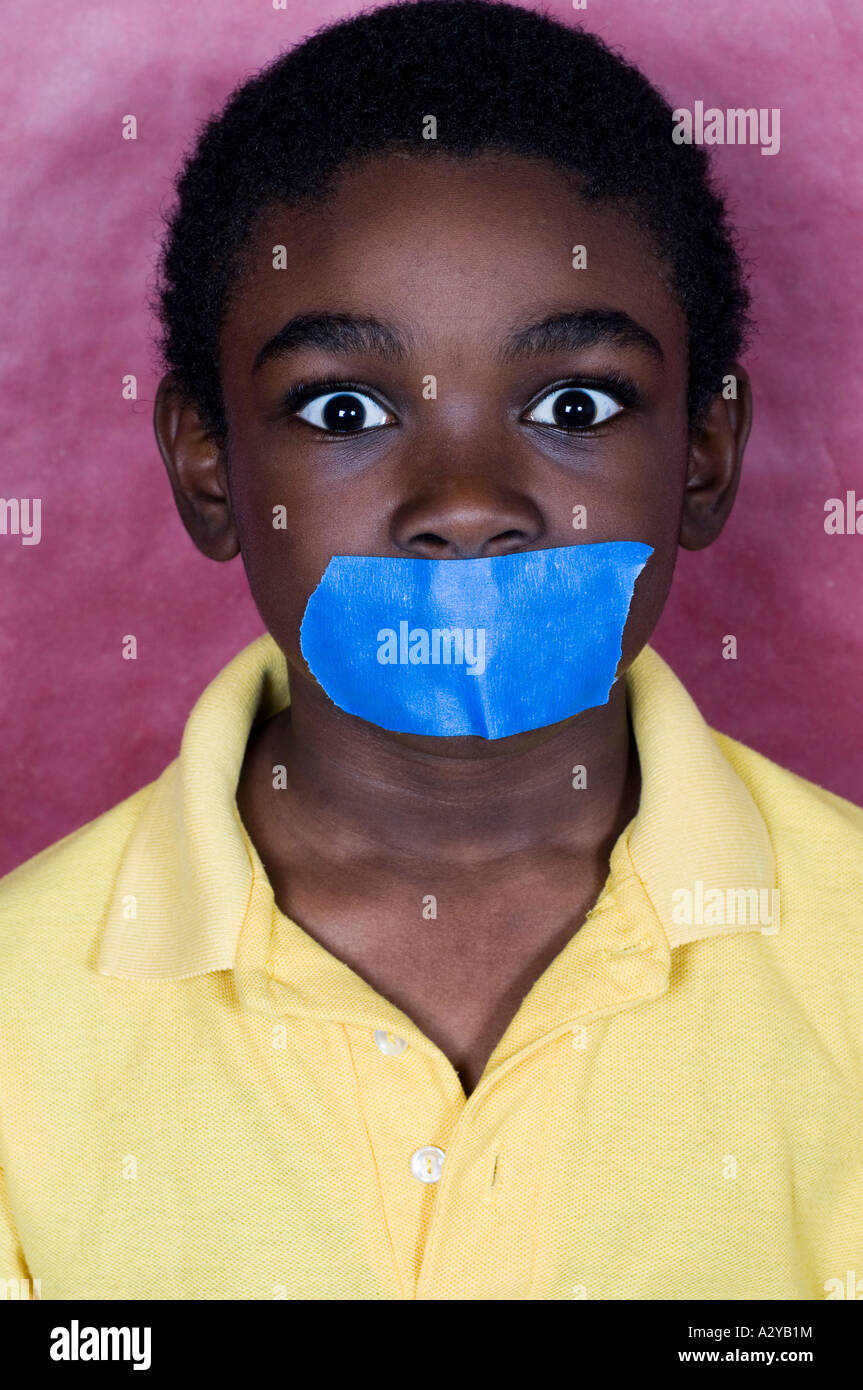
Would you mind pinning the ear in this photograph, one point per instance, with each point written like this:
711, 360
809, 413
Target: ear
715, 457
197, 468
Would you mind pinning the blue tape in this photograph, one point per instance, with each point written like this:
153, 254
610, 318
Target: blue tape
491, 647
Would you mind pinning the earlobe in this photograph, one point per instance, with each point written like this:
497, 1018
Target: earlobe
715, 459
197, 468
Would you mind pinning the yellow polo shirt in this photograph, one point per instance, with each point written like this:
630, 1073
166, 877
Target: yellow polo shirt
197, 1100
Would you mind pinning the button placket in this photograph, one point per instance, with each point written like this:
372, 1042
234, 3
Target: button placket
426, 1162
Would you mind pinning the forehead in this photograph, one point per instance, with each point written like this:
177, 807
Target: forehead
454, 246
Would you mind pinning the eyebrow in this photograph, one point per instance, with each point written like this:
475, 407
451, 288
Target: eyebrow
350, 333
571, 331
337, 333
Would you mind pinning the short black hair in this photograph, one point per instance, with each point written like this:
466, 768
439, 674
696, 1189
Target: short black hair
496, 77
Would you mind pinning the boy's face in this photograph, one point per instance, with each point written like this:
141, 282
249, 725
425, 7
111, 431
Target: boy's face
456, 258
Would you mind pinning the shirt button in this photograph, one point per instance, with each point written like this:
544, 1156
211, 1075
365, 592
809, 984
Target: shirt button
426, 1163
389, 1044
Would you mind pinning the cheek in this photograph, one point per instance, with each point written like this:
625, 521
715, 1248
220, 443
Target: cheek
651, 592
654, 518
293, 511
283, 551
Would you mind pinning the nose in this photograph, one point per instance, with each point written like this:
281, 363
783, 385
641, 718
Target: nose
466, 517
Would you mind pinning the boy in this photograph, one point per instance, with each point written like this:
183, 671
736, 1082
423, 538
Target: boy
445, 962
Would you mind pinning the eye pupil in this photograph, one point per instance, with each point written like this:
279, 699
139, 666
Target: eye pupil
574, 407
344, 412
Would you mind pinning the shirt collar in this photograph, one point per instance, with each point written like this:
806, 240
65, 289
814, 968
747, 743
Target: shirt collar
190, 884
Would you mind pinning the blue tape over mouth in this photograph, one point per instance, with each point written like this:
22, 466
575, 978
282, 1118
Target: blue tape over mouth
490, 647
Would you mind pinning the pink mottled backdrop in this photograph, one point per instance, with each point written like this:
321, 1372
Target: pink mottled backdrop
82, 728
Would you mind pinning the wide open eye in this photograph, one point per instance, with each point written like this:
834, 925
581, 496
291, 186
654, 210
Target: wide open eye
344, 412
574, 407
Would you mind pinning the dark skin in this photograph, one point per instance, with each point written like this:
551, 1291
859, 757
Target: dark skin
455, 254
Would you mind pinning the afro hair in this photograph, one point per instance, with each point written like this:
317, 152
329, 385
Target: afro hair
496, 77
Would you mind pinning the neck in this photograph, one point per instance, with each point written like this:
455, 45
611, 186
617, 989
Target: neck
361, 790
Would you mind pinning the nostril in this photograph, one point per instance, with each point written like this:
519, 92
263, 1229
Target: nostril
504, 542
431, 544
431, 540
